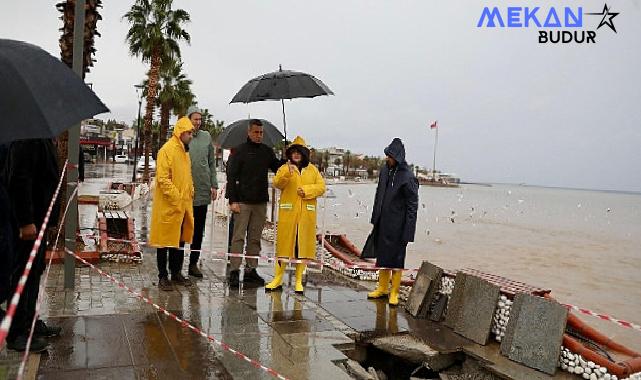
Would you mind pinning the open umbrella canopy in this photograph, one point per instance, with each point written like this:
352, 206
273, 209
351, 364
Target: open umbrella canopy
279, 85
39, 95
236, 134
282, 84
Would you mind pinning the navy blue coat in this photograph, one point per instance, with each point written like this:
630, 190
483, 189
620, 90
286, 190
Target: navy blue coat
394, 211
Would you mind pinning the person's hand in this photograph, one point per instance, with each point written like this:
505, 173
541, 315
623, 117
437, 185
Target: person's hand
28, 232
234, 207
292, 167
301, 192
214, 193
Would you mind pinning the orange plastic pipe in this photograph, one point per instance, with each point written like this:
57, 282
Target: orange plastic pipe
621, 369
593, 334
347, 243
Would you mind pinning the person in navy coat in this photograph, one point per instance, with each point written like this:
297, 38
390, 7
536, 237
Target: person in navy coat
394, 221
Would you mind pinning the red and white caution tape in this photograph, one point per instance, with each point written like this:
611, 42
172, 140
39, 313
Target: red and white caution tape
11, 311
182, 322
604, 317
41, 292
369, 267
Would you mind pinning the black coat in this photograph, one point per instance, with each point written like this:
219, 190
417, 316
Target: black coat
7, 230
247, 173
394, 211
33, 176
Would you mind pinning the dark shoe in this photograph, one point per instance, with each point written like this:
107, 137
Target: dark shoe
252, 277
38, 344
164, 284
44, 331
234, 278
179, 279
194, 271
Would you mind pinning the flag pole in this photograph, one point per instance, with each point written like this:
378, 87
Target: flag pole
434, 162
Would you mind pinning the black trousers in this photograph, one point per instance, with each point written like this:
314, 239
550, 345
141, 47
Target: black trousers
200, 215
27, 306
176, 257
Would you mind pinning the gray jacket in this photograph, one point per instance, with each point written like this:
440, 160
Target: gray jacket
203, 167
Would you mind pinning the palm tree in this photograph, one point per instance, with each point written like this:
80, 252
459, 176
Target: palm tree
346, 162
153, 35
174, 94
92, 16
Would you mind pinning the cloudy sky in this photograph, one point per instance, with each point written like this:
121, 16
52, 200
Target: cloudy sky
508, 108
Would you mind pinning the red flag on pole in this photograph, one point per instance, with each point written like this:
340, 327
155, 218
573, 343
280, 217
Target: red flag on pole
433, 125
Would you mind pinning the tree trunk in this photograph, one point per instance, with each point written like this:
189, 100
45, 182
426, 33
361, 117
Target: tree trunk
149, 109
156, 144
165, 108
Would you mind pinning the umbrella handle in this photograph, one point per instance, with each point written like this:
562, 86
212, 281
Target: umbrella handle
282, 102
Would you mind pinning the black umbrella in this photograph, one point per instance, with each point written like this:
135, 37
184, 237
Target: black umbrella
279, 85
236, 134
39, 95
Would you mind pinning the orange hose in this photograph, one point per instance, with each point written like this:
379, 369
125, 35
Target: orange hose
621, 369
593, 334
336, 253
349, 245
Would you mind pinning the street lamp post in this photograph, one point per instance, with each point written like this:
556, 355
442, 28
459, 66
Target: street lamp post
139, 91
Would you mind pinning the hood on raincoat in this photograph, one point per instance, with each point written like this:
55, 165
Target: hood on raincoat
182, 125
396, 150
299, 145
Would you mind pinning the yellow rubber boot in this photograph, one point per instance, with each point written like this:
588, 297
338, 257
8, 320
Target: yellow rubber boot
276, 283
396, 285
382, 290
300, 268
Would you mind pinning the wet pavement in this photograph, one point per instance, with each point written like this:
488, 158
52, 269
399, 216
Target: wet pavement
109, 330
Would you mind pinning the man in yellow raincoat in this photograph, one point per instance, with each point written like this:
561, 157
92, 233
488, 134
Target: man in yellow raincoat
172, 215
300, 183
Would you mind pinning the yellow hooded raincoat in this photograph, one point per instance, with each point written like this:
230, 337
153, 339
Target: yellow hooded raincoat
297, 215
172, 209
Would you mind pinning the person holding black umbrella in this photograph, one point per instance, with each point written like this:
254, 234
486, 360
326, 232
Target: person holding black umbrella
6, 232
40, 98
394, 220
247, 191
32, 179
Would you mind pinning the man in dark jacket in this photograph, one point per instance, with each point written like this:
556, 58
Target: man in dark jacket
247, 190
33, 176
7, 235
394, 220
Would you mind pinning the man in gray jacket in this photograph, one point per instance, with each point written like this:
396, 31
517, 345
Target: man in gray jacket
203, 171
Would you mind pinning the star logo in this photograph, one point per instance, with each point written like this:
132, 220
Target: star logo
607, 17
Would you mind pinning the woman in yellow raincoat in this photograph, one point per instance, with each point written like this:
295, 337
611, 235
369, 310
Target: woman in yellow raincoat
300, 183
172, 214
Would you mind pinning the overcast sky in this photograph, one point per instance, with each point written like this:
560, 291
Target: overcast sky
508, 108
